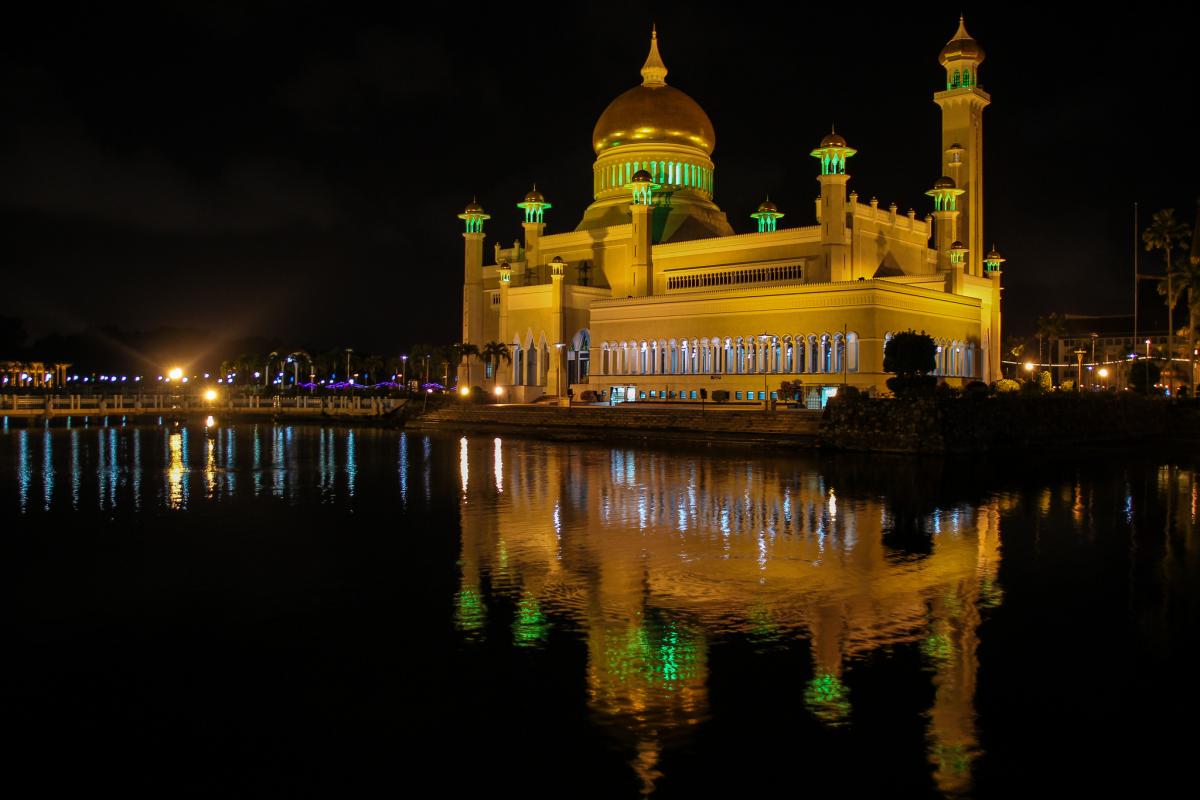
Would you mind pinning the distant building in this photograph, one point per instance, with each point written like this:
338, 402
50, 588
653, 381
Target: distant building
653, 295
1115, 345
32, 375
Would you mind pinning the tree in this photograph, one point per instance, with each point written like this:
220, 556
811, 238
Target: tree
1167, 233
492, 353
912, 357
1015, 347
1051, 328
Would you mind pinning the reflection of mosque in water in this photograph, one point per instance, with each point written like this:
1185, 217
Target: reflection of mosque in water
653, 556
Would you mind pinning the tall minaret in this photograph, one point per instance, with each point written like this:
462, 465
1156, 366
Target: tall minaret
534, 205
835, 237
641, 262
470, 371
962, 105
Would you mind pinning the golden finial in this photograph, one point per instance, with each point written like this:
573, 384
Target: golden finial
654, 71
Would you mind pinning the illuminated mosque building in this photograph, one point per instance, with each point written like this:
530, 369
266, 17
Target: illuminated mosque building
653, 295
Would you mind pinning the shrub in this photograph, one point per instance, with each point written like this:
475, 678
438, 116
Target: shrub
975, 390
1067, 385
1045, 382
1006, 385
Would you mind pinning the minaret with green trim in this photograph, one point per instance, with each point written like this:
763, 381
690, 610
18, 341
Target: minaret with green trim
641, 278
472, 329
766, 216
534, 205
945, 196
835, 236
962, 103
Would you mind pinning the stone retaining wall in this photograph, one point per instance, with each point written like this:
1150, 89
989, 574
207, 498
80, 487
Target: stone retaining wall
1006, 422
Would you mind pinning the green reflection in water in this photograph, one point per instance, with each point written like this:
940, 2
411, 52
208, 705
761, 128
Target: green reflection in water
937, 647
826, 697
663, 655
469, 613
531, 624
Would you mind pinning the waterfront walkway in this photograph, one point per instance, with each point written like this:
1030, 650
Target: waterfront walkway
159, 405
585, 422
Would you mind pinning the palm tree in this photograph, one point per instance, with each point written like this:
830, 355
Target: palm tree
1051, 328
1166, 233
1014, 346
492, 353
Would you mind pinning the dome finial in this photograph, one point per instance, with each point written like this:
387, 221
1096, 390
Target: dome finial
654, 71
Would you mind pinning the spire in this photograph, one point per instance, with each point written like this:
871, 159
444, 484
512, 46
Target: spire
962, 29
654, 71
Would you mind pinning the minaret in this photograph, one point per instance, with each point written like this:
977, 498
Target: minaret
641, 261
534, 206
835, 237
470, 371
505, 272
962, 105
554, 377
945, 196
991, 339
766, 216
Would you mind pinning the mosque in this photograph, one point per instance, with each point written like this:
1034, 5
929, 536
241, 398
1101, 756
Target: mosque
653, 295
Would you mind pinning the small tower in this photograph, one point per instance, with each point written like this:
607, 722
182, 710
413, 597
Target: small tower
642, 187
505, 274
554, 376
993, 260
470, 372
945, 196
835, 239
962, 103
958, 255
766, 215
534, 205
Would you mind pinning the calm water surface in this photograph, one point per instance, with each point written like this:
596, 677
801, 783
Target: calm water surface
296, 610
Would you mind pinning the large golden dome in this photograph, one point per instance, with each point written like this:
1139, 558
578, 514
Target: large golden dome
653, 112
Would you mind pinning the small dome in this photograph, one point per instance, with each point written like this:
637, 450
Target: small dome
534, 196
994, 255
473, 207
944, 182
642, 176
961, 48
957, 245
834, 139
767, 207
556, 260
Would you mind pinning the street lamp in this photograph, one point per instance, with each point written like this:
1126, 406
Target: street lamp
1103, 373
762, 337
403, 372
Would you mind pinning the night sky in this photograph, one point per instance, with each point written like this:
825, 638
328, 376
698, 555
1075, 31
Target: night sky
294, 169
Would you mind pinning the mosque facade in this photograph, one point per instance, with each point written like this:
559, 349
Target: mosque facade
653, 295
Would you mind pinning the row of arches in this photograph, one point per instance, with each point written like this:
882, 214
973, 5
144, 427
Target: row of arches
733, 355
668, 173
531, 360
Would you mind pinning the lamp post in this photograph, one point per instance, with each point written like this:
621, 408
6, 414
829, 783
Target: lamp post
1079, 354
403, 374
762, 337
1147, 367
1094, 337
1103, 373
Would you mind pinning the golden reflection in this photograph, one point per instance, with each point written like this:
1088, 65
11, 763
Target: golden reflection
210, 467
175, 471
653, 556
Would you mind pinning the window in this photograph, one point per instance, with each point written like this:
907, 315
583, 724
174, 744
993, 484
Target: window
737, 395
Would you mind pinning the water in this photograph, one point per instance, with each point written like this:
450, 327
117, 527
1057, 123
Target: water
297, 610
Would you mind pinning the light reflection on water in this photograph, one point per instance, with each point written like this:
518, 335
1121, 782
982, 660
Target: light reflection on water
660, 556
650, 561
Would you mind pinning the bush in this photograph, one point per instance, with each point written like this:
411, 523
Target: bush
976, 390
1045, 382
849, 392
1067, 385
912, 384
1006, 385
